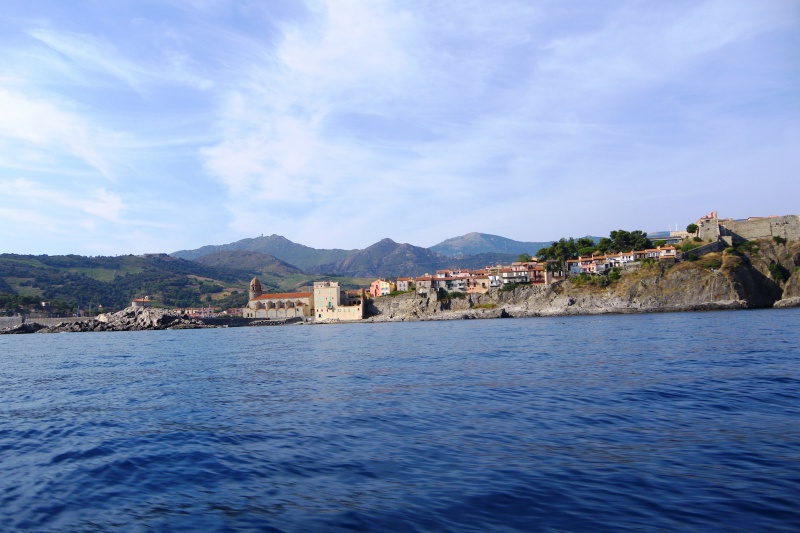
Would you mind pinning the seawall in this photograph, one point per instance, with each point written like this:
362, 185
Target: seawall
13, 321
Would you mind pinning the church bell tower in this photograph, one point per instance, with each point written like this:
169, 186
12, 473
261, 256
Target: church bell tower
255, 288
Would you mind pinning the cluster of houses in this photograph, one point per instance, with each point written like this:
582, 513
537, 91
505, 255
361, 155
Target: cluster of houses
600, 264
529, 273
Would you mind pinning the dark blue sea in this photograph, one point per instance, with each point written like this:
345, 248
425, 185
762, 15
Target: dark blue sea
662, 422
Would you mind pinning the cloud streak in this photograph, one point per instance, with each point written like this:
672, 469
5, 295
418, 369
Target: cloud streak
337, 123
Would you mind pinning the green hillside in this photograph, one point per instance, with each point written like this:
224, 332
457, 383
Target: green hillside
73, 282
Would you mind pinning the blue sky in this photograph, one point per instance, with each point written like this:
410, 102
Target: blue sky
153, 126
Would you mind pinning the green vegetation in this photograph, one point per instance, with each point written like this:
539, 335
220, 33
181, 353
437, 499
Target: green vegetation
747, 247
485, 306
12, 304
711, 263
779, 240
688, 246
692, 228
524, 258
398, 293
614, 274
731, 262
508, 287
88, 282
456, 295
618, 241
596, 280
697, 239
778, 272
730, 250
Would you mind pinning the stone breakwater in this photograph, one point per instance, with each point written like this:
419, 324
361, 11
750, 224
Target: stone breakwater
130, 319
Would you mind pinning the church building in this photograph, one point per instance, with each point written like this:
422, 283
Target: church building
280, 305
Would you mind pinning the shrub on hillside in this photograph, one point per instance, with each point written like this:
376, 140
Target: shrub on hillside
600, 281
579, 279
711, 263
778, 272
746, 246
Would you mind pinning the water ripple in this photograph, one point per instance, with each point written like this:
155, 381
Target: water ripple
651, 422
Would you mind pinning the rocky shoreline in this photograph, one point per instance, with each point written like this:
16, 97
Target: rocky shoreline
129, 319
719, 282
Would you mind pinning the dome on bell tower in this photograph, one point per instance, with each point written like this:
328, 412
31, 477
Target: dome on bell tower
255, 288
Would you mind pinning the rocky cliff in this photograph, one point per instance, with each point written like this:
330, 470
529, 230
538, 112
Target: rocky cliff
714, 281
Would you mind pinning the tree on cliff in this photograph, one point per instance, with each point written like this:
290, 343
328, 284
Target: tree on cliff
692, 228
617, 241
624, 241
559, 251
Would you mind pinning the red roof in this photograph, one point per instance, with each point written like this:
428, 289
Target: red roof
283, 296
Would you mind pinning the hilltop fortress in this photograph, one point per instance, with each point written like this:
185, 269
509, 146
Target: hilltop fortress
712, 228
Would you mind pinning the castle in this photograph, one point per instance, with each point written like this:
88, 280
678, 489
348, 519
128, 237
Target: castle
712, 228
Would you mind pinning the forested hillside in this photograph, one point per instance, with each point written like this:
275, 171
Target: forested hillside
72, 282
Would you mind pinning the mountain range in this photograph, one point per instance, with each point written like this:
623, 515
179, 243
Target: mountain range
298, 255
384, 258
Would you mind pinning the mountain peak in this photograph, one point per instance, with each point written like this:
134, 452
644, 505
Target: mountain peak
479, 243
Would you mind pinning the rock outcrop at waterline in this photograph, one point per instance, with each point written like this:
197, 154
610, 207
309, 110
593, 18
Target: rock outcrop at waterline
791, 292
129, 319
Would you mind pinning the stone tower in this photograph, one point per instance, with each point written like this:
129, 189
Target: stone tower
255, 288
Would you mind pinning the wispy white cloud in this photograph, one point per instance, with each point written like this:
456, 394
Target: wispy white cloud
337, 123
95, 54
87, 201
466, 106
44, 126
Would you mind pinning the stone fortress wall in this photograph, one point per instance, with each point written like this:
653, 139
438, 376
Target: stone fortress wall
732, 231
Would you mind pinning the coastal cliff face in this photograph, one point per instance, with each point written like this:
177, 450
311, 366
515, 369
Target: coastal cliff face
714, 281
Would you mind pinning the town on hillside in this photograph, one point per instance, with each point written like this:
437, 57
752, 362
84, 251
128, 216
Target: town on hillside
610, 256
328, 303
598, 261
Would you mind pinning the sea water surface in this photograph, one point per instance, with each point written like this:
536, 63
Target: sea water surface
663, 422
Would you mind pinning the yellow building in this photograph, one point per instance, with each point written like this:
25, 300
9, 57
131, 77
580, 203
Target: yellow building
330, 305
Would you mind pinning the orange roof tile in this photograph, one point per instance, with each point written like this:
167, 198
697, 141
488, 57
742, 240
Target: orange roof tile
283, 296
